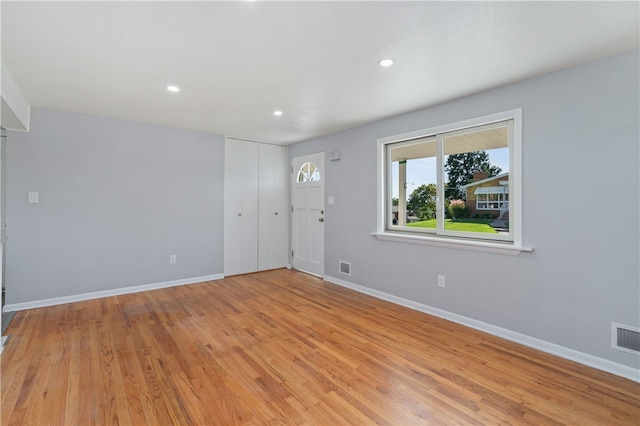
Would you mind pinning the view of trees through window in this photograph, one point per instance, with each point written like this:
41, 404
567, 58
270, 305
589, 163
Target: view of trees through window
474, 179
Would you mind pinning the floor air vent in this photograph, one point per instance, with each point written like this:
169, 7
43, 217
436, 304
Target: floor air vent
345, 267
625, 338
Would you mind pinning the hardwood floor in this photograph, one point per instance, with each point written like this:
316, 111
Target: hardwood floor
282, 347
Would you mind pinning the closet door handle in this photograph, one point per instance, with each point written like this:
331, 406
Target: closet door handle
239, 214
321, 219
276, 213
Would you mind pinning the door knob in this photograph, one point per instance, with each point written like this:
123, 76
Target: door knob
276, 213
321, 219
239, 214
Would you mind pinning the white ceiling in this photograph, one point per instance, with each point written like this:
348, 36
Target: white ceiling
236, 62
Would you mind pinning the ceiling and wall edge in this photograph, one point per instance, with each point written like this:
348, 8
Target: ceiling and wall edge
16, 111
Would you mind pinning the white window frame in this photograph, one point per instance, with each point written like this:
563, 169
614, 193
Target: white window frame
451, 238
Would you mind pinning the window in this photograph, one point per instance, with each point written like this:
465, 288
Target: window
308, 173
458, 183
493, 198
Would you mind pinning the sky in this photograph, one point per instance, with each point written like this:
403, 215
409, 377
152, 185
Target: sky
423, 171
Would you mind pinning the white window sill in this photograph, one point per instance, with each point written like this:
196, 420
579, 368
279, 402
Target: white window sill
455, 243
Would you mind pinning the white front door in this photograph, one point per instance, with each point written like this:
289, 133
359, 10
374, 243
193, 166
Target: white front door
307, 217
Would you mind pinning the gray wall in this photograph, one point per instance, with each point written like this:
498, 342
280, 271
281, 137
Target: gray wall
580, 212
116, 199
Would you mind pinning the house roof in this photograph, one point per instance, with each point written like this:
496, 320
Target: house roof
479, 182
316, 61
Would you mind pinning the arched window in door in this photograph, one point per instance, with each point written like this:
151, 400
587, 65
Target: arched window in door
308, 173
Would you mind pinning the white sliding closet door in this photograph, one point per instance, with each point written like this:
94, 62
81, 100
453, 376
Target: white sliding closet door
241, 207
255, 236
272, 206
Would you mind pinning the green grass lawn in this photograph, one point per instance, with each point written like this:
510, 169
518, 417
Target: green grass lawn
469, 225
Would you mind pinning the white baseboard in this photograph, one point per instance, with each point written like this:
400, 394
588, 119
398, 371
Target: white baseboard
106, 293
551, 348
2, 340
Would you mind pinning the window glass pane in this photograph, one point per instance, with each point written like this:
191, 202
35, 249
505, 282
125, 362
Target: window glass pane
413, 178
476, 176
303, 172
308, 173
314, 173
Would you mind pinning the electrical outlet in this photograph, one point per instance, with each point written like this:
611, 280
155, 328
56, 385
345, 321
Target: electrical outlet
441, 282
173, 259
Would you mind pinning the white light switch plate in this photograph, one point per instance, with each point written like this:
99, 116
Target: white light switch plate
33, 197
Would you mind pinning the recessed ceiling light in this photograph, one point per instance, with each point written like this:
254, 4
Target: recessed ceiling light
277, 112
173, 89
387, 62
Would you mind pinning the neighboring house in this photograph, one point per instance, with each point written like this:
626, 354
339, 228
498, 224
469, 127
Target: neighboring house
488, 194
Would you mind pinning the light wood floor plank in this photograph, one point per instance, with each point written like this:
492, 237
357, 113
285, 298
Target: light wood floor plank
285, 348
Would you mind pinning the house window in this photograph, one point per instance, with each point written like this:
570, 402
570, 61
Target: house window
493, 199
459, 182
